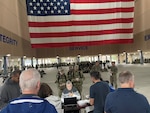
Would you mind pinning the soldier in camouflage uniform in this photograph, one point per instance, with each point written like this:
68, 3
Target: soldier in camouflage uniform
61, 80
113, 77
70, 73
78, 79
97, 67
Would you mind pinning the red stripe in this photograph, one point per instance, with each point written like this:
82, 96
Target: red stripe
91, 43
102, 11
98, 1
82, 33
80, 23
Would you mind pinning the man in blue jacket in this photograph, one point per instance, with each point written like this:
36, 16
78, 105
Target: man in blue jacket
125, 99
29, 102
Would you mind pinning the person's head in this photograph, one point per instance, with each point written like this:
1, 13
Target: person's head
113, 63
69, 85
95, 75
15, 76
76, 67
126, 79
97, 63
45, 91
61, 71
30, 81
70, 67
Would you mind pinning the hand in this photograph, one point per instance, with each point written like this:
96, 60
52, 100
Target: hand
70, 94
77, 79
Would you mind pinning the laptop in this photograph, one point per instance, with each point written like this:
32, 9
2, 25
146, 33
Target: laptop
72, 100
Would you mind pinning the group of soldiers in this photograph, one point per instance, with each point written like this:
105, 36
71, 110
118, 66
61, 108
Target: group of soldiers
113, 72
74, 75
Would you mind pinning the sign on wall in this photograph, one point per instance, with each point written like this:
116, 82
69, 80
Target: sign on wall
8, 40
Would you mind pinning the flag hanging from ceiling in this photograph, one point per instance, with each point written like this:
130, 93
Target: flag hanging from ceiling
61, 23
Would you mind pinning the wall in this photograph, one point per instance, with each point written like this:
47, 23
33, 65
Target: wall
13, 24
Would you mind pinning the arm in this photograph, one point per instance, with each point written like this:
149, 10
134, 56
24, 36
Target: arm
4, 95
92, 95
77, 95
62, 97
91, 101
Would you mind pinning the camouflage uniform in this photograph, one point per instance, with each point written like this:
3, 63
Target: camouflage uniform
113, 77
70, 74
61, 83
78, 80
97, 68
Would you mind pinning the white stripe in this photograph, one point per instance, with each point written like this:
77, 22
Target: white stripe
80, 28
79, 6
81, 39
26, 100
79, 17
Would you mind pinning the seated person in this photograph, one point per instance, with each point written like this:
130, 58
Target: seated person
70, 91
47, 93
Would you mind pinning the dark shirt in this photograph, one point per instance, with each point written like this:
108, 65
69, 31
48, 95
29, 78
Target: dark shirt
98, 92
126, 100
9, 91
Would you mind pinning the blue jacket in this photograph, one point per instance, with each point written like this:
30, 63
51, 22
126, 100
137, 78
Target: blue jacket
29, 104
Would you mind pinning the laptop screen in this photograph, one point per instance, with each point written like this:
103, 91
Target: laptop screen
72, 100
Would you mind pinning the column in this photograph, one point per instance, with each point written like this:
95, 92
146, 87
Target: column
5, 66
32, 62
110, 58
37, 63
98, 58
78, 59
126, 55
118, 58
106, 58
141, 57
22, 63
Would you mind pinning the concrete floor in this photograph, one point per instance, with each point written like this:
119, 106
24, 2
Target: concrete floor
141, 72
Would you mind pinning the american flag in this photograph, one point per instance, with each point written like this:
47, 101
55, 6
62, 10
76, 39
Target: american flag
62, 23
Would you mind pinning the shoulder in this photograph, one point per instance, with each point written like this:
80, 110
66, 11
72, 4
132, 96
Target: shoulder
74, 89
92, 86
141, 97
111, 96
65, 90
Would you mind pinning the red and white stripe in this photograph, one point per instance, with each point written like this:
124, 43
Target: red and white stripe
91, 22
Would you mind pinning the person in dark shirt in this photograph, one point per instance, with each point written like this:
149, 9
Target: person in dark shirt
98, 92
125, 99
10, 88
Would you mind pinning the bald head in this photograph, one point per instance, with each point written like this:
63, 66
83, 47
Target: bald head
30, 81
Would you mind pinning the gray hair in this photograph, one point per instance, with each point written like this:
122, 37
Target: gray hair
29, 79
68, 82
125, 77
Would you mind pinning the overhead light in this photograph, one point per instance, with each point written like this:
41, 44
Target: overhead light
8, 55
57, 56
124, 52
24, 57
